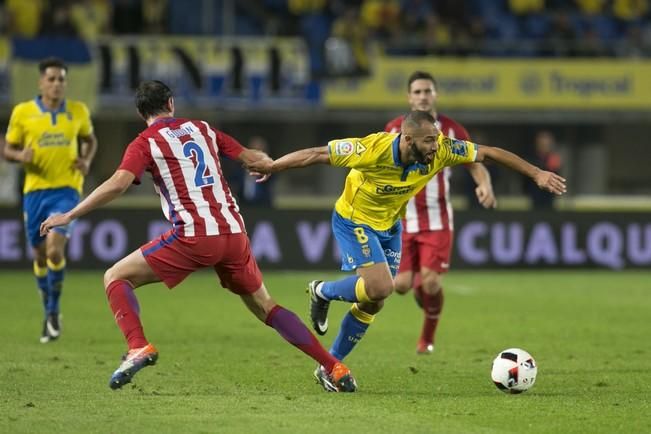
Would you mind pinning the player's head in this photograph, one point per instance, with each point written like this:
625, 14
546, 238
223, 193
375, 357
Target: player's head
154, 98
420, 133
53, 78
422, 91
544, 142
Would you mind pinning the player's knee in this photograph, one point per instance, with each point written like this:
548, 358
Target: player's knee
431, 283
109, 276
54, 255
380, 289
401, 286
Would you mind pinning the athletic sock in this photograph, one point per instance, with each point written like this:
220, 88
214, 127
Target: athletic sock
418, 296
41, 275
432, 307
55, 275
126, 311
353, 327
290, 327
350, 289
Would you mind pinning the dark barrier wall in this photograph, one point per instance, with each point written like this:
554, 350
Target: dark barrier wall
303, 239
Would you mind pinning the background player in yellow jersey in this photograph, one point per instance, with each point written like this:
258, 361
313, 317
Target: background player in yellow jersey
53, 139
387, 169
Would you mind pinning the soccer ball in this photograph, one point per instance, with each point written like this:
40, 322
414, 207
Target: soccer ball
514, 371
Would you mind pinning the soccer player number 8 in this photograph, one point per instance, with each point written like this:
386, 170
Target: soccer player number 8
362, 238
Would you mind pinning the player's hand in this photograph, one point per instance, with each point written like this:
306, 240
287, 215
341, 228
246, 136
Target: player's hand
83, 165
26, 155
550, 181
53, 221
263, 166
485, 196
261, 177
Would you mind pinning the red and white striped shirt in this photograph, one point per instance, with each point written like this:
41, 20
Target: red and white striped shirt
183, 157
430, 209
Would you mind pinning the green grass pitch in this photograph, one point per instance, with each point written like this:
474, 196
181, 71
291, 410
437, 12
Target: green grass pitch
222, 371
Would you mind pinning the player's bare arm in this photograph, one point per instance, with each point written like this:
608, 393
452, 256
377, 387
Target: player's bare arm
87, 150
17, 154
545, 180
105, 193
303, 158
484, 189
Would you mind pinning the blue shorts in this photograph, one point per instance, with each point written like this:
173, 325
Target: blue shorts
361, 245
40, 204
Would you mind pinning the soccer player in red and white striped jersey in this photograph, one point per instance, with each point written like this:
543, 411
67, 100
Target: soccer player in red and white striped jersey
428, 224
182, 156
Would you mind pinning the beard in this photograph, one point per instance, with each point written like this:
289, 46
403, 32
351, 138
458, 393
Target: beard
418, 156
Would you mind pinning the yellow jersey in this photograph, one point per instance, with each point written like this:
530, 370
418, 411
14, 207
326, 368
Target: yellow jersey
379, 185
52, 135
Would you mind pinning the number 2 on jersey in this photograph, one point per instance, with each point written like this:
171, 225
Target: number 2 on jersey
201, 179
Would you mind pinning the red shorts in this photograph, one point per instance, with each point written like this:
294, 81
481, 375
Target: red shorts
431, 249
173, 258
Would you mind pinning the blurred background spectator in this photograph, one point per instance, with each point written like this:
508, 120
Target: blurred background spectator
56, 20
545, 156
91, 18
250, 193
23, 17
348, 47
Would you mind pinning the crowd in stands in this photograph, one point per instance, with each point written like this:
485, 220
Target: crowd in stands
86, 19
332, 28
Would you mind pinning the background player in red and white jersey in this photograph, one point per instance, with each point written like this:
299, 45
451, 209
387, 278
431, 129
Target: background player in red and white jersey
428, 224
208, 231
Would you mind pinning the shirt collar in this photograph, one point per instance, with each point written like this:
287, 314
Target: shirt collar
163, 119
396, 151
39, 102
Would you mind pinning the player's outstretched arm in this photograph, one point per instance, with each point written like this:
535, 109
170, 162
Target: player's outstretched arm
545, 180
105, 193
303, 158
484, 189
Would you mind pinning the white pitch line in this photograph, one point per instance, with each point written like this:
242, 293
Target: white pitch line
461, 289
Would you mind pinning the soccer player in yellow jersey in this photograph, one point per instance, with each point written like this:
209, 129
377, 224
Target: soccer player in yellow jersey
387, 169
52, 137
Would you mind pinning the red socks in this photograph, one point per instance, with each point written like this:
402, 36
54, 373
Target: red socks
432, 306
127, 312
290, 327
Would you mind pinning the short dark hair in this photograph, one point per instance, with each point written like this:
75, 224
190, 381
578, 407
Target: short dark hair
152, 97
421, 75
417, 117
51, 62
